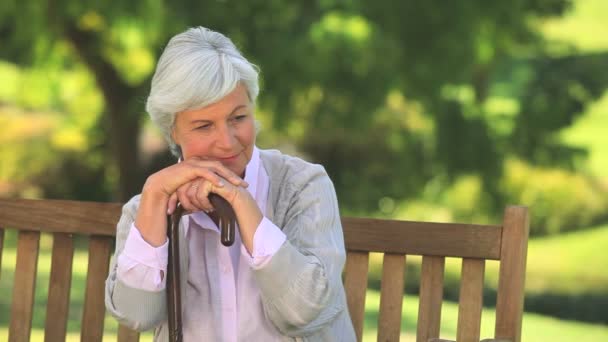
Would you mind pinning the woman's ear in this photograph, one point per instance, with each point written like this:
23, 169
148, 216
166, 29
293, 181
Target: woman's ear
174, 136
176, 147
179, 151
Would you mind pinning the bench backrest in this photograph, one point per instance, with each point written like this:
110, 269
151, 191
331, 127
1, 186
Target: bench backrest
474, 244
396, 239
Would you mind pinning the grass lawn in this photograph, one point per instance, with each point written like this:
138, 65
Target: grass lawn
535, 327
571, 262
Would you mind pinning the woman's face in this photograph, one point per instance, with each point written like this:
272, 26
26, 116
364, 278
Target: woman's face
222, 131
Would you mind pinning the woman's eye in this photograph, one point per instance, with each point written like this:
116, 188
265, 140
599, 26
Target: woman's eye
203, 127
240, 117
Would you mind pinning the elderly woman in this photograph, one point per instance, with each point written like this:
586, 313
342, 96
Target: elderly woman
281, 279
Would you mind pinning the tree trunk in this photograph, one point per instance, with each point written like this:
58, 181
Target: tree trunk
124, 146
123, 117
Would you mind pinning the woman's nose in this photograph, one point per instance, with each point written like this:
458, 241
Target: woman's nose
226, 138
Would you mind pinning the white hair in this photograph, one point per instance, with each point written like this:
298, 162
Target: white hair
198, 67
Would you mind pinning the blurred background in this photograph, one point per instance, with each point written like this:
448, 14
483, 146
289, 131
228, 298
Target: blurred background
419, 110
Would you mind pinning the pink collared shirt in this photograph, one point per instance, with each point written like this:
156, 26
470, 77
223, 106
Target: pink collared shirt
141, 266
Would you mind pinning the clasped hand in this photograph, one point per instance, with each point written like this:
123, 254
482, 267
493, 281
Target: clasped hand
190, 183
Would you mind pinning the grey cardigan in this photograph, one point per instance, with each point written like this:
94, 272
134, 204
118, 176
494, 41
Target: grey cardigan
301, 286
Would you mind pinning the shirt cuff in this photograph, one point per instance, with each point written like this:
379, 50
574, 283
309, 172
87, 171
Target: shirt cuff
267, 240
141, 265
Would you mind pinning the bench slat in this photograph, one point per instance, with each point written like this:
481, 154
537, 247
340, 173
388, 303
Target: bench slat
1, 244
423, 238
94, 307
471, 300
59, 288
355, 284
510, 295
431, 295
25, 283
391, 297
127, 335
60, 216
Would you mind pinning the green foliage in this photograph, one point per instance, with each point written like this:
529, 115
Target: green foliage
393, 106
568, 84
358, 166
462, 200
329, 64
49, 145
559, 200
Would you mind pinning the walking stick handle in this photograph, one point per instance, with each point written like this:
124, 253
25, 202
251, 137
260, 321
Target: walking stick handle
226, 219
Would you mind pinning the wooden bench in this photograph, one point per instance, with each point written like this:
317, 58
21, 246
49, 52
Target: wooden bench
396, 239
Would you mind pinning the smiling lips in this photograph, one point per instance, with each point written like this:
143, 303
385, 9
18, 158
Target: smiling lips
228, 158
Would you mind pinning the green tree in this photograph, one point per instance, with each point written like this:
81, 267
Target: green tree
374, 90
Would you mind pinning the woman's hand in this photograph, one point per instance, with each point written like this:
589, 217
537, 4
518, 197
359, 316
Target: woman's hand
177, 177
162, 186
193, 196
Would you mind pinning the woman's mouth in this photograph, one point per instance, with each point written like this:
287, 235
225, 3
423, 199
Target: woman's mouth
228, 158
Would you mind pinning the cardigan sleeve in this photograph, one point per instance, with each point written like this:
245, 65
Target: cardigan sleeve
138, 309
301, 285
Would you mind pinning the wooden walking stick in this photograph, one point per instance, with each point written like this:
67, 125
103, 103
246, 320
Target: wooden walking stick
227, 223
174, 302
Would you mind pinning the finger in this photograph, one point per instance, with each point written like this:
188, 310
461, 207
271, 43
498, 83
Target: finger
222, 171
192, 192
228, 192
207, 173
203, 196
172, 203
200, 197
184, 199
